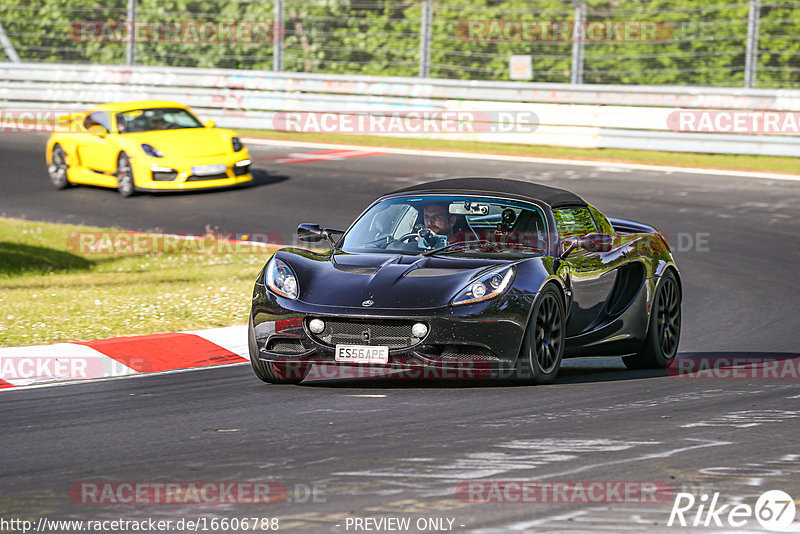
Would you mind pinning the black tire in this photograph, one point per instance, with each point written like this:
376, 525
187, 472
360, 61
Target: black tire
543, 348
126, 185
58, 168
664, 329
270, 372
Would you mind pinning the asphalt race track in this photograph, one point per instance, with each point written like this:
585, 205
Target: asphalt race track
372, 449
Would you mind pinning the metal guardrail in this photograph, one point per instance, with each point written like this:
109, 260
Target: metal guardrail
565, 115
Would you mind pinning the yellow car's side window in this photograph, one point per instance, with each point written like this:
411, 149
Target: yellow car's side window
98, 118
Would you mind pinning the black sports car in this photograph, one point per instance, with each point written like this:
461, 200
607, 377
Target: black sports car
468, 277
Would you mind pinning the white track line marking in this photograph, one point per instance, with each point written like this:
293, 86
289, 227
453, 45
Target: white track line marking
705, 443
545, 520
606, 165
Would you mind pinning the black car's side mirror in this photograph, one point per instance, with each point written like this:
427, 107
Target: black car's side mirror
314, 232
597, 242
567, 245
310, 232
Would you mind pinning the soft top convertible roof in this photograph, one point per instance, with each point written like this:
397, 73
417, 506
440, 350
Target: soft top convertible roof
551, 196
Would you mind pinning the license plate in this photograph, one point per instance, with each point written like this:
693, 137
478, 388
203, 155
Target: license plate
208, 170
361, 354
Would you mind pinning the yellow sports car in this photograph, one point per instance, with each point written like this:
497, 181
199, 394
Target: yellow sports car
145, 146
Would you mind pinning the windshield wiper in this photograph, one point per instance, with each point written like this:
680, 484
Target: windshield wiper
470, 244
457, 244
522, 247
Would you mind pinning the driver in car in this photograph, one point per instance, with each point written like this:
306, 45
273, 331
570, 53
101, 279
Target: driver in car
159, 123
438, 220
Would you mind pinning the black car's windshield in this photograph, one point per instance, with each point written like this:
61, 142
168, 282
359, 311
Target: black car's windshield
147, 120
455, 225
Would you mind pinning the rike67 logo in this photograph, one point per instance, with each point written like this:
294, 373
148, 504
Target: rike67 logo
774, 510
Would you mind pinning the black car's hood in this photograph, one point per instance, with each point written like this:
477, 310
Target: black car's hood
389, 280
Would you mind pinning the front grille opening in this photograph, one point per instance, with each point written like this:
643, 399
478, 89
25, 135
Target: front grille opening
467, 352
193, 178
286, 346
390, 333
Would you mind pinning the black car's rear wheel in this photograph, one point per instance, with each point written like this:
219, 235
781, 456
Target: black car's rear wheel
664, 330
125, 182
543, 348
58, 168
273, 373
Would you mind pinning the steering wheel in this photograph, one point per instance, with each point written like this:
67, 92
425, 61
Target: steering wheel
406, 238
387, 240
380, 242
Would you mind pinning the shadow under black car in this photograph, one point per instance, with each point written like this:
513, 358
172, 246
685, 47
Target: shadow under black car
572, 371
688, 365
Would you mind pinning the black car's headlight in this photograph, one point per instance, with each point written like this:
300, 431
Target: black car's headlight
281, 279
486, 287
237, 144
151, 151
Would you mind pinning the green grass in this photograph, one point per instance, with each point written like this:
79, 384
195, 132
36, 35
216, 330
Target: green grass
774, 164
52, 291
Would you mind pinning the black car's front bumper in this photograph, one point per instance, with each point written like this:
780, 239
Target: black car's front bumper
467, 341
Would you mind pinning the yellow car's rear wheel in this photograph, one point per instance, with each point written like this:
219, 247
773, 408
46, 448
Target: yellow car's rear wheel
58, 168
125, 182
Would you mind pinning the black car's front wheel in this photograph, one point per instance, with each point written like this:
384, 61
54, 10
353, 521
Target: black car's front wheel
543, 349
664, 331
270, 372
